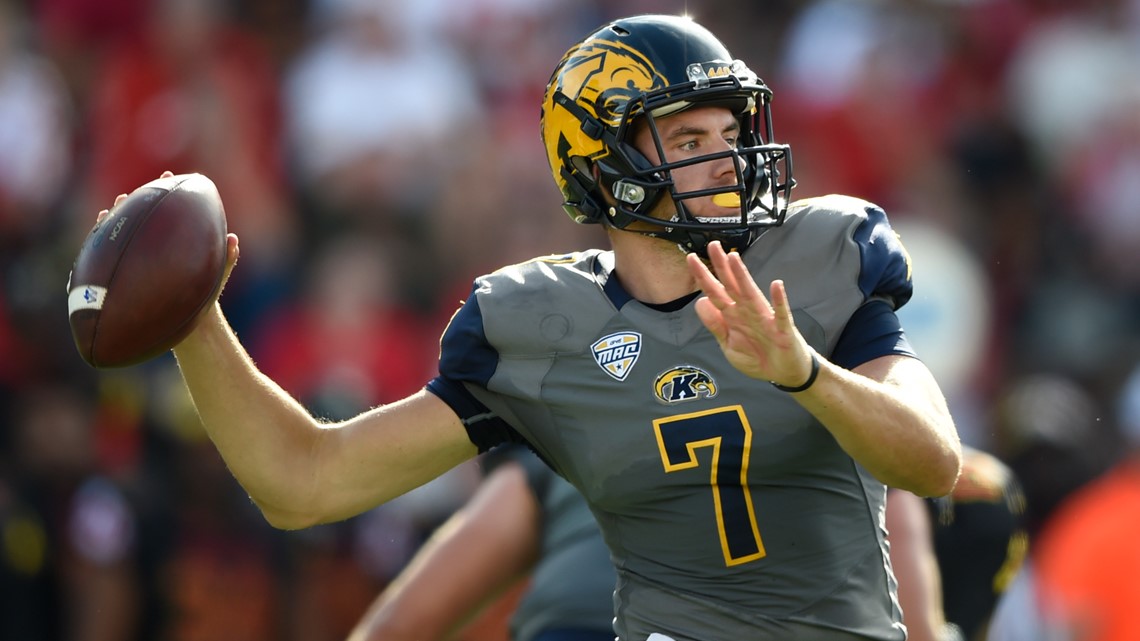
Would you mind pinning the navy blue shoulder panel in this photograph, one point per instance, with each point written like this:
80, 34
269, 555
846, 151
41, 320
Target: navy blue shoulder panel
465, 354
467, 357
886, 266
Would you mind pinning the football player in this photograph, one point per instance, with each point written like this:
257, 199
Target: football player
734, 443
916, 567
524, 528
955, 555
980, 539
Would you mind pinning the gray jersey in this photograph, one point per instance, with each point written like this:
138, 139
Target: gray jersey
730, 512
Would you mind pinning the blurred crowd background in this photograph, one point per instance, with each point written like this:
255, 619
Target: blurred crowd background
375, 156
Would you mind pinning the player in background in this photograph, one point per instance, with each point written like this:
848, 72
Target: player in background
980, 540
734, 442
523, 525
956, 555
916, 567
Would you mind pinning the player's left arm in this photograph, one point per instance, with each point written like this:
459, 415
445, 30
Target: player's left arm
888, 413
891, 416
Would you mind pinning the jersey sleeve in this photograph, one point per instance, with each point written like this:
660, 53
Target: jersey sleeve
873, 331
467, 358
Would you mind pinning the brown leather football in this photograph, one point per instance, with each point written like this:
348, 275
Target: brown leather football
147, 271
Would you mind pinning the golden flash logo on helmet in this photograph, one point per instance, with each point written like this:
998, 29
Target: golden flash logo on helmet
600, 77
603, 76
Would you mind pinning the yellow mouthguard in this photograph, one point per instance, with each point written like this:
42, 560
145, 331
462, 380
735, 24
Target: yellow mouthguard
727, 200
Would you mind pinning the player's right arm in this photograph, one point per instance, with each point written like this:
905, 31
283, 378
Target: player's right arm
298, 470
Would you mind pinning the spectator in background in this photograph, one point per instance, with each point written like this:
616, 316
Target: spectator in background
373, 105
346, 341
1102, 176
76, 34
1087, 561
193, 93
841, 62
36, 160
504, 43
1046, 430
69, 552
35, 131
1074, 91
221, 573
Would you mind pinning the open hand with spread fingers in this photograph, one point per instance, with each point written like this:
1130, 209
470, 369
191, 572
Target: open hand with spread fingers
757, 336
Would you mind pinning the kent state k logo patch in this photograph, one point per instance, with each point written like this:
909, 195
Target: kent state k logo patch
684, 383
617, 353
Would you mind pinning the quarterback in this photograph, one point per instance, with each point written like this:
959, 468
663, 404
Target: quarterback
727, 384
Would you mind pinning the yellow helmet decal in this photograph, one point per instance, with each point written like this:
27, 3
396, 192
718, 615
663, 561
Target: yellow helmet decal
601, 76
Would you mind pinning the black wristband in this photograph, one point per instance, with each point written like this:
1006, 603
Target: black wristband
810, 380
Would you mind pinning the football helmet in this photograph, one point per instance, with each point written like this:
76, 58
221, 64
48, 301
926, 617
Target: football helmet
649, 67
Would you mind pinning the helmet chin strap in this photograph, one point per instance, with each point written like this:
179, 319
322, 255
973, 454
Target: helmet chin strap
695, 241
699, 242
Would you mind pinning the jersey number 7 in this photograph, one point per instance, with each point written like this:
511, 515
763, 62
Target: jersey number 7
727, 432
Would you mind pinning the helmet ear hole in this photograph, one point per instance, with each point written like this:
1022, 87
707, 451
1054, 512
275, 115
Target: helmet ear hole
587, 170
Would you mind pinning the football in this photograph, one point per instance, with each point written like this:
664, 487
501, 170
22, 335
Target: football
145, 273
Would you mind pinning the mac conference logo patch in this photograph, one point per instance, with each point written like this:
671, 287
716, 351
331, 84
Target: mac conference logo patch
617, 353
